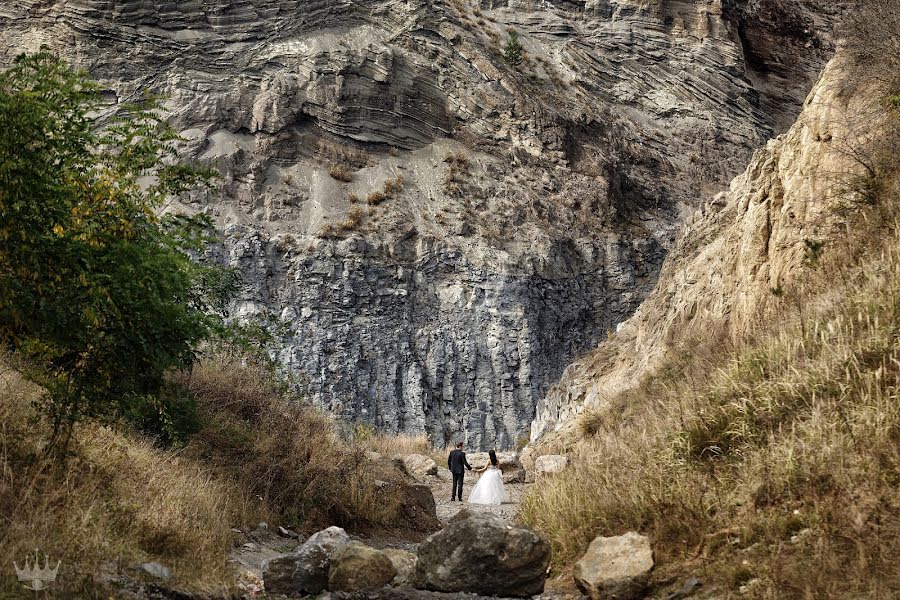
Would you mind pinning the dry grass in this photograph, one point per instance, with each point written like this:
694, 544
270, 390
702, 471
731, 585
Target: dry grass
290, 455
389, 189
121, 500
341, 173
797, 433
771, 463
342, 228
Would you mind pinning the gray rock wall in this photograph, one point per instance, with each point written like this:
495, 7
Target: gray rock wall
443, 232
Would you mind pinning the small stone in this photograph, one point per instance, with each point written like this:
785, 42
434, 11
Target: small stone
157, 570
287, 532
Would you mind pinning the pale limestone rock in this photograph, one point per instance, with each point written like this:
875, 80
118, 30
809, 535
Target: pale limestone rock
357, 567
550, 464
615, 568
418, 465
731, 254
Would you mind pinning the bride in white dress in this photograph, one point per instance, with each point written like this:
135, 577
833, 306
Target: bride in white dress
489, 489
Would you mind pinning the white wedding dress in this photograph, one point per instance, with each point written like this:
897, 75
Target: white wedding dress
489, 489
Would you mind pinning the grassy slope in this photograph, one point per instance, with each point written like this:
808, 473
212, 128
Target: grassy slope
768, 464
123, 500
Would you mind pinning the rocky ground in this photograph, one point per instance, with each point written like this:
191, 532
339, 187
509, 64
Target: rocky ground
446, 509
264, 543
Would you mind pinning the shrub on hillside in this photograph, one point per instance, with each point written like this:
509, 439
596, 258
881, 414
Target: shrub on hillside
95, 288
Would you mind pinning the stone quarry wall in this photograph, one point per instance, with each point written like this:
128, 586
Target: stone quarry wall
442, 232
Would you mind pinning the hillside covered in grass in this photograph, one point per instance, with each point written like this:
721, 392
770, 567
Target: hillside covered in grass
747, 418
121, 498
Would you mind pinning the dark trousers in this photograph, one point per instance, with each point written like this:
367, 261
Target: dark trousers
457, 485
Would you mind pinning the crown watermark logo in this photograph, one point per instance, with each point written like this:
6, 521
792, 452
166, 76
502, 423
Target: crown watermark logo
32, 576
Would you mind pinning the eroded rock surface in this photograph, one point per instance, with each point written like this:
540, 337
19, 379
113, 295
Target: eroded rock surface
735, 257
358, 567
615, 567
441, 232
305, 571
484, 554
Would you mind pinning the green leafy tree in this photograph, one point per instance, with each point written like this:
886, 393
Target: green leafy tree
514, 52
96, 289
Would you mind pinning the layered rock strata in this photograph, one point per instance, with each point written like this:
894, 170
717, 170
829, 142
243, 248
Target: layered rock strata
737, 255
441, 224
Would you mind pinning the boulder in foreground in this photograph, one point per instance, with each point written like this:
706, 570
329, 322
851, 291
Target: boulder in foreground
305, 571
615, 567
483, 554
405, 564
358, 567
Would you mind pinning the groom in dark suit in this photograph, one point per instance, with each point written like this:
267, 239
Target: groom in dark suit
457, 464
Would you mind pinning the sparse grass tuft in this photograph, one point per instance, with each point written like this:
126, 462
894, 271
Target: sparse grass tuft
341, 173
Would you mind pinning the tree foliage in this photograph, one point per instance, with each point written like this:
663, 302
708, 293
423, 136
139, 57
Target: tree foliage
514, 52
96, 288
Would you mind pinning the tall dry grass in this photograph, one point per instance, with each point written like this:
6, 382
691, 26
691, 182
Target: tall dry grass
397, 445
288, 454
768, 464
118, 501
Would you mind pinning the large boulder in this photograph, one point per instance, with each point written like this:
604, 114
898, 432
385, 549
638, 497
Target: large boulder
305, 571
418, 465
418, 510
358, 567
550, 464
483, 554
615, 567
404, 563
508, 461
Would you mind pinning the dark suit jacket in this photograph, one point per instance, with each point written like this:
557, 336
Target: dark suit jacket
456, 462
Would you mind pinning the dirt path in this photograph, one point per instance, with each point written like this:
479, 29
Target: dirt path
440, 488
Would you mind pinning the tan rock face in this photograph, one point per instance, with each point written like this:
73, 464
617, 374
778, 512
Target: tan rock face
358, 567
615, 568
507, 460
418, 465
732, 254
550, 464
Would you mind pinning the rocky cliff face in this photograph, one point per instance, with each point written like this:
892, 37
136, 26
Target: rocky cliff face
442, 230
736, 256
